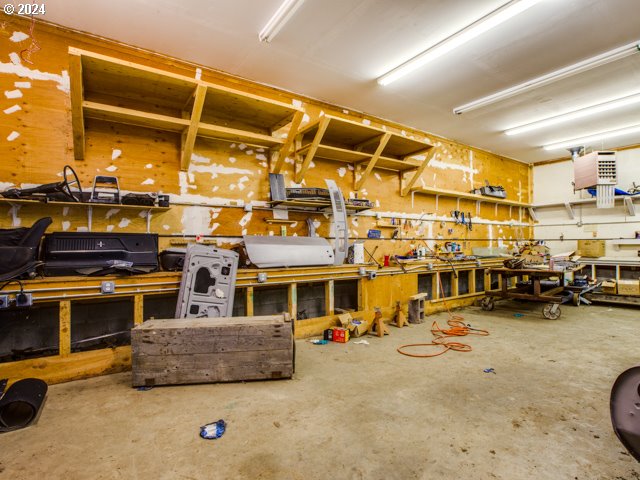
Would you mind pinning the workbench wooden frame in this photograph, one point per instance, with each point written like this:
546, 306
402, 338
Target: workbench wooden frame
113, 90
68, 366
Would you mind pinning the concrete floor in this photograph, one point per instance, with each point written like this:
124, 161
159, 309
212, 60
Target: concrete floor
363, 411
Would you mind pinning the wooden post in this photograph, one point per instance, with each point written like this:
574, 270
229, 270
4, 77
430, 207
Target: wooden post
472, 281
65, 328
329, 305
292, 299
138, 309
249, 300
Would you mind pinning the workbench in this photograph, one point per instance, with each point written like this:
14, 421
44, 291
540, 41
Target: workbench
533, 290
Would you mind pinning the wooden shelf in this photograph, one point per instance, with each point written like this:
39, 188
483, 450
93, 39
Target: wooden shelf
108, 89
627, 201
366, 147
89, 207
467, 196
315, 204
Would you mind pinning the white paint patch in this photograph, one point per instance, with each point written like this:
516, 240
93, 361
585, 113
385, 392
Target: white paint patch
115, 153
316, 224
354, 221
321, 113
403, 133
366, 121
377, 203
249, 152
232, 159
242, 146
13, 93
166, 227
260, 156
198, 73
271, 233
471, 169
241, 182
12, 136
124, 223
195, 158
350, 167
148, 181
82, 229
245, 219
20, 70
305, 118
110, 228
264, 165
6, 185
65, 226
111, 168
232, 186
296, 103
65, 211
214, 226
22, 84
250, 194
364, 192
18, 37
435, 163
490, 229
143, 214
346, 112
244, 231
195, 220
215, 169
149, 165
12, 109
377, 175
215, 188
342, 171
233, 145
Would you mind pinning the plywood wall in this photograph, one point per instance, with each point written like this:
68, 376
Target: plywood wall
36, 142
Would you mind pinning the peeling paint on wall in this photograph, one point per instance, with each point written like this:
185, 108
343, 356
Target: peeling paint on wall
16, 68
18, 37
111, 168
148, 181
342, 172
22, 84
65, 225
13, 93
111, 212
12, 136
124, 222
115, 153
12, 109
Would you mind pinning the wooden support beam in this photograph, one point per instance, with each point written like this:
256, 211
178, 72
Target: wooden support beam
287, 147
292, 300
422, 151
370, 141
77, 97
138, 309
65, 328
329, 305
192, 131
249, 300
322, 127
372, 163
417, 173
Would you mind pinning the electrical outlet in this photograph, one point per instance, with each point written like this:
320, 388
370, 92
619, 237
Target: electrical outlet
108, 287
4, 301
24, 299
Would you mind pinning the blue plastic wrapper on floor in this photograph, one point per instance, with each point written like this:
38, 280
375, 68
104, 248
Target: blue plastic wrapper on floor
214, 430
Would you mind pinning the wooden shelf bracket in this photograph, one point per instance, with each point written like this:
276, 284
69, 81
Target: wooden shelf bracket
416, 175
372, 163
189, 139
285, 150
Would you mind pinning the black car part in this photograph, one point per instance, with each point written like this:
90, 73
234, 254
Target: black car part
80, 253
19, 249
22, 403
60, 191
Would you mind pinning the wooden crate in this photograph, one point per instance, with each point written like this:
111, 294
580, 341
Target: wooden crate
208, 350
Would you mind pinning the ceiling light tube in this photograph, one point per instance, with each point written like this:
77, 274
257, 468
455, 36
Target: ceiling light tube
463, 36
575, 114
279, 19
595, 137
582, 66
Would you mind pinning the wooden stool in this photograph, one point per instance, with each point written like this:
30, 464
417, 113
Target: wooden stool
377, 325
400, 318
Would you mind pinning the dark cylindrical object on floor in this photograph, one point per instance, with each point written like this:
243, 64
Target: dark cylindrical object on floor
21, 404
625, 410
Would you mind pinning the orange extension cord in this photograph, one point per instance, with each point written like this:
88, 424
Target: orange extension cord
458, 329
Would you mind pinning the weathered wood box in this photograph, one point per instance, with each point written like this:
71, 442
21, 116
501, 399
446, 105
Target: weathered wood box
207, 350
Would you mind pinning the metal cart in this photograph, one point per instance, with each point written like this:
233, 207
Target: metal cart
534, 290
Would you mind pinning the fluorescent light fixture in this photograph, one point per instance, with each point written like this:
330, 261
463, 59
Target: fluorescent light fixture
279, 19
495, 18
575, 114
582, 66
594, 137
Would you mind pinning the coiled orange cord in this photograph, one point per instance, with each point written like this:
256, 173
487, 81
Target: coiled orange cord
458, 329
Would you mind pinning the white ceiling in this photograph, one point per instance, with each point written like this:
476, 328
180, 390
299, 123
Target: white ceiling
333, 50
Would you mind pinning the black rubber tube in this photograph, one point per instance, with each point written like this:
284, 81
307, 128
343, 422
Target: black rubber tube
21, 404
